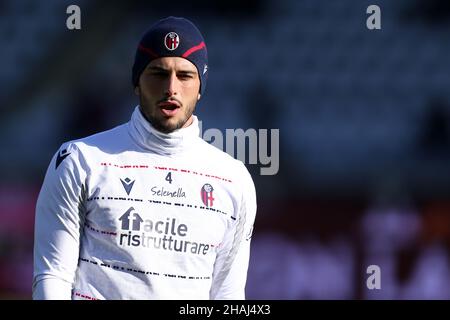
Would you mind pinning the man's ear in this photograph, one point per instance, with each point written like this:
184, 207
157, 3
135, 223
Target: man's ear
137, 90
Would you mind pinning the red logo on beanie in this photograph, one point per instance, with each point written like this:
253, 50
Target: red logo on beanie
171, 41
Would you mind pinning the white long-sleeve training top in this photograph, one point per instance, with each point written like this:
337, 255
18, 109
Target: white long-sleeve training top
132, 213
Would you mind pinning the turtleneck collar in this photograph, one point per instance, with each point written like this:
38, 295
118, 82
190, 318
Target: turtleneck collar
150, 139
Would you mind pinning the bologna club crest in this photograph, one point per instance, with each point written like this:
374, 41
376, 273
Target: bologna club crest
171, 41
207, 195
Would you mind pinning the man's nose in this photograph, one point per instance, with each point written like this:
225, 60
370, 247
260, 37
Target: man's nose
171, 85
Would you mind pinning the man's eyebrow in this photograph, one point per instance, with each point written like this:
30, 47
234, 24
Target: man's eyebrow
187, 72
158, 68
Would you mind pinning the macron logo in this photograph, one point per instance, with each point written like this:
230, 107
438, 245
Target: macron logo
127, 184
61, 156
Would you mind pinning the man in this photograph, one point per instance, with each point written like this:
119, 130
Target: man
147, 210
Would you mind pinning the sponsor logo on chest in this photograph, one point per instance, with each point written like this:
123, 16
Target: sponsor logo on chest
162, 192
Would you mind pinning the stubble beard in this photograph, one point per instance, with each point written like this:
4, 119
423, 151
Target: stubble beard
163, 124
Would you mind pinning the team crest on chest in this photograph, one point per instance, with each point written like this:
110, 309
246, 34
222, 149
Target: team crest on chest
207, 195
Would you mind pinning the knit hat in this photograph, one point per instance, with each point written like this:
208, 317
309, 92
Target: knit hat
172, 37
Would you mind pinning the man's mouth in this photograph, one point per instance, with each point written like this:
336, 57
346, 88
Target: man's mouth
169, 108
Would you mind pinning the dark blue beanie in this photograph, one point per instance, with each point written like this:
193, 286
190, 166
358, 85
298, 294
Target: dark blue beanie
172, 37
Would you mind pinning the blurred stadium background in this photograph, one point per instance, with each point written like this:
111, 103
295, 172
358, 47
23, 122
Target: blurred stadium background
363, 116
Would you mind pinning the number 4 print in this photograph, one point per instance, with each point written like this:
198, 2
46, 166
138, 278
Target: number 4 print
169, 177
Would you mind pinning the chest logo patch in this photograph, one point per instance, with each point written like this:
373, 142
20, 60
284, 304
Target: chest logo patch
127, 184
206, 194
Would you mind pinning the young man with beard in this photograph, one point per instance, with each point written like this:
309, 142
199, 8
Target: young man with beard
102, 233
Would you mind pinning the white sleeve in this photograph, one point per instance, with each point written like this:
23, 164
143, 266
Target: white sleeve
231, 266
59, 217
52, 289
